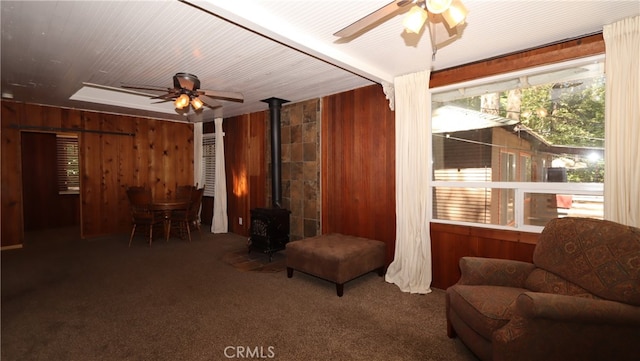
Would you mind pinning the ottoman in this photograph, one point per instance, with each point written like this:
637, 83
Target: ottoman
336, 257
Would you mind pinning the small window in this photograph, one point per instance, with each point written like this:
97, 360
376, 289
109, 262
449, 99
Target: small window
68, 164
209, 163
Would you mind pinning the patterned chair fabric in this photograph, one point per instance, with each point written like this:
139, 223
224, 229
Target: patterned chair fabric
603, 257
578, 300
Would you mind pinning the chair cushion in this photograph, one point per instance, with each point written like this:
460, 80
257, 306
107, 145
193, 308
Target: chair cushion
484, 308
602, 257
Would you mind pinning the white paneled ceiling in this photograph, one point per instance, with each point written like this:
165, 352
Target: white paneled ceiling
261, 48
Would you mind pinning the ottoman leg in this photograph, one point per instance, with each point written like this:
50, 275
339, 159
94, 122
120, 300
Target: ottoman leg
340, 289
289, 272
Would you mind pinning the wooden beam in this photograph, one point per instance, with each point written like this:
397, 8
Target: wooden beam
548, 54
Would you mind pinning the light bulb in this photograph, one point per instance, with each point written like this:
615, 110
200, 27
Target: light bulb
438, 6
182, 101
455, 14
196, 103
415, 19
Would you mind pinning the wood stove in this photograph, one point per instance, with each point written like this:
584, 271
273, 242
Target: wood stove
269, 230
270, 227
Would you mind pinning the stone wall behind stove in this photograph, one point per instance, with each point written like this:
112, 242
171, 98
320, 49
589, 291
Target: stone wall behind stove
300, 133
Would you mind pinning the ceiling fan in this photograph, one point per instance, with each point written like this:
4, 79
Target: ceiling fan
186, 94
449, 12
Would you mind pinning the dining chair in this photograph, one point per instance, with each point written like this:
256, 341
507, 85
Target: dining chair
193, 213
141, 215
191, 218
184, 191
180, 217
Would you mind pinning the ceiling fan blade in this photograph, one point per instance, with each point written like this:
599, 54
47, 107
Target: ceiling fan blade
147, 87
372, 18
167, 97
121, 90
162, 101
210, 102
223, 95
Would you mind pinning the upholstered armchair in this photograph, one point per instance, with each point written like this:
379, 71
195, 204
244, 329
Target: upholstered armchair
578, 300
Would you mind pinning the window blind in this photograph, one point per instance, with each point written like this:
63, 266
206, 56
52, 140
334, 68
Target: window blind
209, 163
67, 164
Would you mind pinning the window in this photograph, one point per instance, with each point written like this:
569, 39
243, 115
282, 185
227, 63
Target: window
209, 163
67, 164
517, 150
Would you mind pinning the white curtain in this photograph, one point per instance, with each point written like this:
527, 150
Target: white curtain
198, 174
622, 122
411, 267
220, 221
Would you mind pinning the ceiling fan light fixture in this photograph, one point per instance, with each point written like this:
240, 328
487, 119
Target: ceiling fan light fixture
438, 6
455, 14
196, 103
182, 101
415, 19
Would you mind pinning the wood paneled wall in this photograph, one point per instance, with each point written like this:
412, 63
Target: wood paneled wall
115, 152
245, 150
450, 242
358, 165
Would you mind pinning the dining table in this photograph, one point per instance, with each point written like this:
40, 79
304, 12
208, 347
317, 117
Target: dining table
167, 207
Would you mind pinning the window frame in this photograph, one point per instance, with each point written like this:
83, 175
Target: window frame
521, 188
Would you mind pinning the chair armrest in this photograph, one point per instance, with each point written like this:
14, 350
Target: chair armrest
494, 272
576, 309
557, 327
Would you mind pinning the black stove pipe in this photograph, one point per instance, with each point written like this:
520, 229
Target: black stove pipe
275, 104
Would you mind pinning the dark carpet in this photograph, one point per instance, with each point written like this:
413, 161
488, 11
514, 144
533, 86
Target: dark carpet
69, 299
255, 261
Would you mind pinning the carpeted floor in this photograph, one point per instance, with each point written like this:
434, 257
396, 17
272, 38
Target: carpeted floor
242, 260
69, 299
